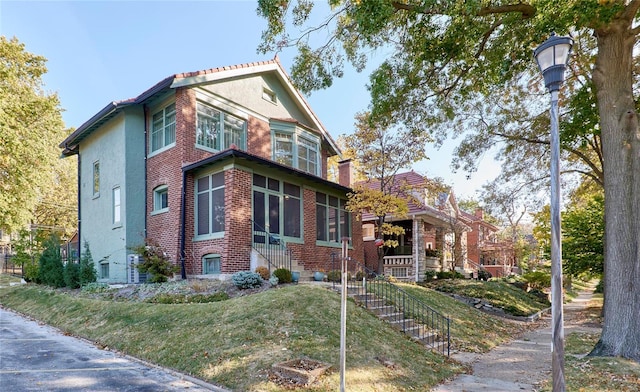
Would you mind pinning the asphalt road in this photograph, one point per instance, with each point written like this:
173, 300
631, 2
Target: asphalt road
36, 357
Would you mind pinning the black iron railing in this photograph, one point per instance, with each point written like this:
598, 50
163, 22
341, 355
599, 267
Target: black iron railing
395, 305
272, 247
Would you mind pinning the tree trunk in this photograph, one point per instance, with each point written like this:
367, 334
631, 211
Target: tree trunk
613, 80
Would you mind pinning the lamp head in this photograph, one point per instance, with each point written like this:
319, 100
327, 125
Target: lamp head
552, 57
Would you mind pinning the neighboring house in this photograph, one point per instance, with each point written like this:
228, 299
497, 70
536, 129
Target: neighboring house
217, 167
484, 251
434, 239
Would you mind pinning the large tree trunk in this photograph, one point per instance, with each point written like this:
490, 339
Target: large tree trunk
613, 79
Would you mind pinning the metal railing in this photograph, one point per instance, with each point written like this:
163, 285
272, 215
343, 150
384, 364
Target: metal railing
396, 306
271, 246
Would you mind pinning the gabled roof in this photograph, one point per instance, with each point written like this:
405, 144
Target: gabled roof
70, 144
472, 218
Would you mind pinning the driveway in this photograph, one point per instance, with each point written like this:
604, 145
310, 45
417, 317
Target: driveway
36, 357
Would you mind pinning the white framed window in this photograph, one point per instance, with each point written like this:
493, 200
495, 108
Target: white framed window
210, 209
163, 128
211, 264
296, 148
116, 205
96, 179
368, 232
104, 270
399, 272
217, 130
161, 199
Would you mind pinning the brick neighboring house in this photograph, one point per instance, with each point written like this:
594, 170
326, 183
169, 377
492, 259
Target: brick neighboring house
435, 236
484, 251
216, 166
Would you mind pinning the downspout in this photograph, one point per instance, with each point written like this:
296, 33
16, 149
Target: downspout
415, 239
79, 209
183, 197
146, 186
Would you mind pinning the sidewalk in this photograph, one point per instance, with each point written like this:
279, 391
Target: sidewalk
520, 364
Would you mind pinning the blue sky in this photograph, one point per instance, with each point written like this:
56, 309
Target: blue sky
100, 52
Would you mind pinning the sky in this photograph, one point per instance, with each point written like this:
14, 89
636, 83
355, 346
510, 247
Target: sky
103, 51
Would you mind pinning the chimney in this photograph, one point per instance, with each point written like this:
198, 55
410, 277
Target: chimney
479, 213
345, 172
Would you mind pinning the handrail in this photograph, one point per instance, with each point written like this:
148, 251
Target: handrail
411, 315
271, 246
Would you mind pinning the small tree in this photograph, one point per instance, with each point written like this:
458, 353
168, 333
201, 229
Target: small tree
87, 268
51, 271
155, 262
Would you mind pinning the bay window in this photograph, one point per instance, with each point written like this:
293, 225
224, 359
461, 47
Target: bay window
296, 148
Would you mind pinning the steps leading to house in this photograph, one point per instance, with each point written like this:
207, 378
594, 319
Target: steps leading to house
409, 326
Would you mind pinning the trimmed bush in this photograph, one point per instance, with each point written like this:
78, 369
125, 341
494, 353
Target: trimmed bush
72, 275
263, 272
246, 280
484, 275
449, 275
283, 275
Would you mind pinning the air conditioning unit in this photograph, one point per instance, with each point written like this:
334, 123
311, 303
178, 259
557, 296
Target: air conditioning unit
135, 276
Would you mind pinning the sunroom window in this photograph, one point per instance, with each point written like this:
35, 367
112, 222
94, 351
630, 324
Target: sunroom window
217, 130
333, 220
210, 204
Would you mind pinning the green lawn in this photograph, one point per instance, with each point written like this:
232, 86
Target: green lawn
234, 343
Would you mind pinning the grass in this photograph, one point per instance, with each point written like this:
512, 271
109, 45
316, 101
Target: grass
5, 279
234, 343
499, 294
595, 374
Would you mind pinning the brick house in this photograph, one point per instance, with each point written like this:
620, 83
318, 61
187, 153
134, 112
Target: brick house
223, 168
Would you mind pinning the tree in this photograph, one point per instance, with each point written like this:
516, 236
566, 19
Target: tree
450, 53
380, 152
51, 270
583, 238
30, 129
87, 269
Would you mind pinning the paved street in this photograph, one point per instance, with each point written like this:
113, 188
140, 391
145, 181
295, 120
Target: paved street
35, 357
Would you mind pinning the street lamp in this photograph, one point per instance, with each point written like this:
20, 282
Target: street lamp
552, 56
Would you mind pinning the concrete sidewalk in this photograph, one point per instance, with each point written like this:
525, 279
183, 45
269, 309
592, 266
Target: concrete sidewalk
518, 365
36, 357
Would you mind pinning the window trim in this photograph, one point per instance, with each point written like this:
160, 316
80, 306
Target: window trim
341, 208
161, 109
96, 179
204, 263
209, 235
116, 207
296, 133
157, 191
221, 131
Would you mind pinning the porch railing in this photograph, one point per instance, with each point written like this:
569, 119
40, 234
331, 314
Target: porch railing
271, 247
397, 306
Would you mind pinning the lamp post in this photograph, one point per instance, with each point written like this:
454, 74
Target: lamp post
552, 56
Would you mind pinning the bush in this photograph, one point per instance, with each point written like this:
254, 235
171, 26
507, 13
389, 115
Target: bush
95, 287
538, 279
484, 275
155, 262
51, 270
336, 276
360, 275
246, 280
263, 272
600, 287
449, 275
283, 275
72, 275
87, 270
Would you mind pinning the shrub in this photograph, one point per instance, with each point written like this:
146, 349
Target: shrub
155, 262
283, 275
72, 275
537, 279
600, 287
263, 272
51, 270
484, 275
95, 287
449, 275
246, 280
360, 275
87, 269
336, 276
